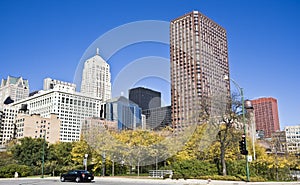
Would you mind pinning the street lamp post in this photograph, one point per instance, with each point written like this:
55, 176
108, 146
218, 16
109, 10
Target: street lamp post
85, 161
244, 123
43, 157
103, 164
245, 132
249, 108
113, 167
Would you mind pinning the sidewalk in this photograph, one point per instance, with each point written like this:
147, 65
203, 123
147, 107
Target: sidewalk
148, 180
190, 181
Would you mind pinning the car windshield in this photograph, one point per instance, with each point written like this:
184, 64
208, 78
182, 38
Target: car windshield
72, 172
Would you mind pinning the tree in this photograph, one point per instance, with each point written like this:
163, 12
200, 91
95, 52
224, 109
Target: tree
225, 137
103, 145
29, 151
194, 147
222, 115
61, 152
79, 149
6, 158
140, 147
272, 167
60, 157
132, 147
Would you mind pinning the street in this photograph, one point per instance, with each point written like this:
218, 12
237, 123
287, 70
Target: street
129, 181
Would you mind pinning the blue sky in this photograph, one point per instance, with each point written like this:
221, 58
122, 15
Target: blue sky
40, 38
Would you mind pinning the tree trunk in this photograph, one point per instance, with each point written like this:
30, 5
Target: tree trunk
113, 168
223, 163
138, 168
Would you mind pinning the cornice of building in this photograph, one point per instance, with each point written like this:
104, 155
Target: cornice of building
43, 93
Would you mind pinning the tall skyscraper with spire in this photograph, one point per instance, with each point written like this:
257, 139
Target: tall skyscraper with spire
96, 78
199, 62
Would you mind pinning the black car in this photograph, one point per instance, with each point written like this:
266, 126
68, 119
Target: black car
77, 176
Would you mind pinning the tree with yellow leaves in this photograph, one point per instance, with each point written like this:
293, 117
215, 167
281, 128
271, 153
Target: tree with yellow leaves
140, 147
80, 148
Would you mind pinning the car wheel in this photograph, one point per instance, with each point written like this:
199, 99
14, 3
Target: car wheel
62, 179
77, 179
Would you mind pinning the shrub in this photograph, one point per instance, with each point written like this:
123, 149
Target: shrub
193, 168
236, 168
9, 170
177, 176
166, 176
219, 177
257, 179
231, 178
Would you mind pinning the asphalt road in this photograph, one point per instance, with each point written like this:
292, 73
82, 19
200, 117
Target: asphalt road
127, 181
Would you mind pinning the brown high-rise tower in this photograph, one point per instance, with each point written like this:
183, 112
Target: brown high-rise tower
199, 62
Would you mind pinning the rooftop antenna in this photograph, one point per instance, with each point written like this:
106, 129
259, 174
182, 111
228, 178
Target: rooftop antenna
97, 51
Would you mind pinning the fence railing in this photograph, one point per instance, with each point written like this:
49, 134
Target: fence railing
160, 173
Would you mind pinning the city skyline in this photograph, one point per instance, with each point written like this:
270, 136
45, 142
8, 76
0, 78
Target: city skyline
47, 38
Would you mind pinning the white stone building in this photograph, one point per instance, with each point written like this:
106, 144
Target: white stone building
58, 85
96, 78
7, 126
293, 138
16, 88
70, 106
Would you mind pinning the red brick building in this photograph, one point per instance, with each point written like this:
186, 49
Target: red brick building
266, 115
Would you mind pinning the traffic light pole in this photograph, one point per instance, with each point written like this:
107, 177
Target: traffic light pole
244, 124
243, 149
245, 133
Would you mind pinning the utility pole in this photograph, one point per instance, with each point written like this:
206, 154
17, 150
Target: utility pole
43, 157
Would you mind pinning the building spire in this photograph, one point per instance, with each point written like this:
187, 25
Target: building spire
97, 51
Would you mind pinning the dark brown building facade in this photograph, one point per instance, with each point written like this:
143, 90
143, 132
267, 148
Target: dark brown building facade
199, 62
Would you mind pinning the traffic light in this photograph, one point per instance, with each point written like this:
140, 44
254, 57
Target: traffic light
242, 144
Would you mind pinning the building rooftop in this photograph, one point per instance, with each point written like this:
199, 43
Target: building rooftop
97, 58
14, 80
121, 99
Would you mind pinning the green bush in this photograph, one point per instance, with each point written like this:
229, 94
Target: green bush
219, 177
231, 178
236, 168
257, 179
177, 176
193, 168
262, 170
9, 170
166, 176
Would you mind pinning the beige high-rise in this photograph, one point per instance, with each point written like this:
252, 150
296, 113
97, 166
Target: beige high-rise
36, 126
199, 62
96, 78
